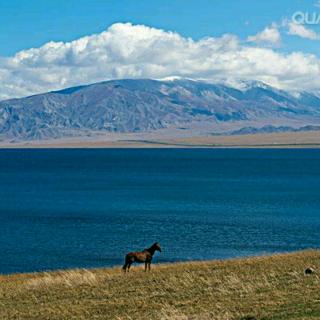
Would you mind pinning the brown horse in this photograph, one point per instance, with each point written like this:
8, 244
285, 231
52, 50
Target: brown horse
140, 257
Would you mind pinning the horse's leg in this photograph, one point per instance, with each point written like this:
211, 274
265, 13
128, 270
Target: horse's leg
145, 266
149, 265
127, 263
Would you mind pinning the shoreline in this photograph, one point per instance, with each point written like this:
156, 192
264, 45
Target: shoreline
292, 140
138, 267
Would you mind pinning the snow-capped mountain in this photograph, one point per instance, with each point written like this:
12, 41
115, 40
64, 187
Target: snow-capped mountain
148, 105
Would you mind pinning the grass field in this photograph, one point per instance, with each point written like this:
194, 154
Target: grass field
271, 287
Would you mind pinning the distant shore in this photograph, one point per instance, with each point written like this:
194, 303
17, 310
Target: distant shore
266, 287
310, 139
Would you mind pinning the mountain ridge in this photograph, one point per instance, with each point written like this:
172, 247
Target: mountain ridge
147, 105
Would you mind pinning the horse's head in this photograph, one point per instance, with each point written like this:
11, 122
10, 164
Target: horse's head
157, 246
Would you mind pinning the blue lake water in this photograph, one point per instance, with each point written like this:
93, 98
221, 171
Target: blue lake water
88, 207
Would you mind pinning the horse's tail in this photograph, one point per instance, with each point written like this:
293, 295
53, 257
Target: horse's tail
124, 268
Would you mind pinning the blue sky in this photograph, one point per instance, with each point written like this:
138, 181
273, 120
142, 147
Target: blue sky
26, 24
52, 44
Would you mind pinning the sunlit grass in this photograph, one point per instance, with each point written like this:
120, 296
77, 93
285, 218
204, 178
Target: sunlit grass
272, 287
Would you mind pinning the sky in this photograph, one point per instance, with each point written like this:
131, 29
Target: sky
52, 44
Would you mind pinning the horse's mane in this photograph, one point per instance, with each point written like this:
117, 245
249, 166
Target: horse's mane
150, 249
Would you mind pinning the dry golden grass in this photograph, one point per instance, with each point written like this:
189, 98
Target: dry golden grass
272, 287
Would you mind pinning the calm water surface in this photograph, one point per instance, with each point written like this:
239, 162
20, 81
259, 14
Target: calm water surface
87, 208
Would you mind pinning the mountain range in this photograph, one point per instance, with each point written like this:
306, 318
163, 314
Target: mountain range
144, 106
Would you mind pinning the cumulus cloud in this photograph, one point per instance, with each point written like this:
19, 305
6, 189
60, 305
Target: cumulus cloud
302, 31
136, 51
269, 35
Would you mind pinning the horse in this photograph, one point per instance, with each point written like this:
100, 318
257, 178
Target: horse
144, 256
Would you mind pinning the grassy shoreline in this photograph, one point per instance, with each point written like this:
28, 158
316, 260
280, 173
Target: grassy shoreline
266, 287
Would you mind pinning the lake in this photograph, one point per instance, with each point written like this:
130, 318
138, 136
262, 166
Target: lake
66, 208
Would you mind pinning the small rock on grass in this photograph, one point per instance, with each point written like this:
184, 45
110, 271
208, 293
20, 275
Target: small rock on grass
309, 271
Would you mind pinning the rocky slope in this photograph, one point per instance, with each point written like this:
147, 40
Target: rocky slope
144, 105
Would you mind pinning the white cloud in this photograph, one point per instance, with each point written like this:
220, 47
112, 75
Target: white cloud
302, 31
137, 51
269, 35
